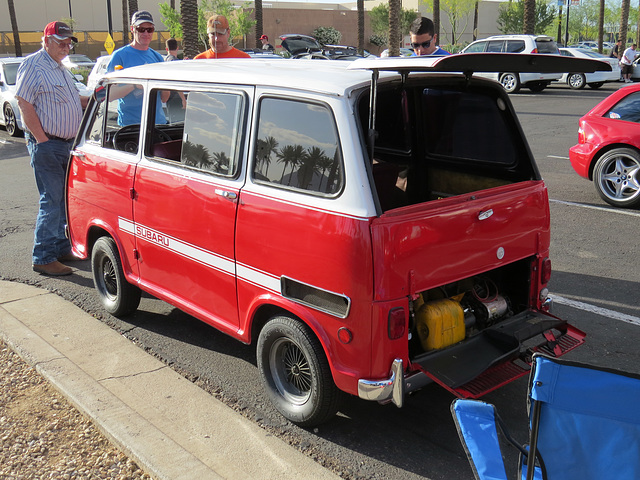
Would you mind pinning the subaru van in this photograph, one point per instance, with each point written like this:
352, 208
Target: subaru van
371, 226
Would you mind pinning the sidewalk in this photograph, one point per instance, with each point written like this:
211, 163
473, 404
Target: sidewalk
166, 424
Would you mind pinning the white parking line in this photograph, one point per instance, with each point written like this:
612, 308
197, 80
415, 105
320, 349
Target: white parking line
604, 312
593, 207
556, 156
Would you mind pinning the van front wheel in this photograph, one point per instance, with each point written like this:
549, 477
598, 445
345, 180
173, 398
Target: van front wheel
296, 373
118, 296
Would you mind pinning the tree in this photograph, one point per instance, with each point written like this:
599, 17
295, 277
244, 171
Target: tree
327, 35
133, 8
511, 17
360, 4
14, 27
171, 18
125, 22
529, 16
379, 20
190, 25
624, 19
395, 27
456, 11
259, 27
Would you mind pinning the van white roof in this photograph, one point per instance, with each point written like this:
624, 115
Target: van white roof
326, 76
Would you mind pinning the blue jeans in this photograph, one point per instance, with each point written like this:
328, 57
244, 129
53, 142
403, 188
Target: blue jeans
49, 161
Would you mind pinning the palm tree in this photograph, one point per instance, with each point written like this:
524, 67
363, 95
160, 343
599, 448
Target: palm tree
395, 27
221, 162
125, 22
266, 148
360, 4
436, 19
14, 27
310, 166
624, 20
189, 17
133, 8
601, 26
529, 17
290, 155
259, 29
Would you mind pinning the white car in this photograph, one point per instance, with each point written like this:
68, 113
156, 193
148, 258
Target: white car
99, 70
77, 60
512, 81
10, 114
578, 80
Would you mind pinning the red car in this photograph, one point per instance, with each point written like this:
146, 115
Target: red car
608, 150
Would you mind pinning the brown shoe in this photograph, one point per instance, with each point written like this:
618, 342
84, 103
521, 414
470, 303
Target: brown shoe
69, 257
54, 269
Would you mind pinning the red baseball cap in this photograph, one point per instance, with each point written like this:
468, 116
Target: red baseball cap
59, 30
264, 37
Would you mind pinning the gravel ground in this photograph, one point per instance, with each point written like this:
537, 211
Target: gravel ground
43, 437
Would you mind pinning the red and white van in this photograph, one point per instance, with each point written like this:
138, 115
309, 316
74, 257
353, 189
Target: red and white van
363, 250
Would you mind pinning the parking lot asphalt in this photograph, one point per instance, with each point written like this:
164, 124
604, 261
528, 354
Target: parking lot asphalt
166, 424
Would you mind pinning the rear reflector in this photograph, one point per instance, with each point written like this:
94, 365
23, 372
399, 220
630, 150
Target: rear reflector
397, 321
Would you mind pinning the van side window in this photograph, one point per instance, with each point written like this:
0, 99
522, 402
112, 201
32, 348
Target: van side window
104, 129
205, 135
297, 147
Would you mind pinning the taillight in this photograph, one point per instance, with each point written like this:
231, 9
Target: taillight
545, 273
535, 50
397, 321
582, 138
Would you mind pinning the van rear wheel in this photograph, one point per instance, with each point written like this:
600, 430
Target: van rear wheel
295, 372
118, 296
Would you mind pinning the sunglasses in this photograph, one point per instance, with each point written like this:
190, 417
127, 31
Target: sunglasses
146, 29
69, 45
426, 44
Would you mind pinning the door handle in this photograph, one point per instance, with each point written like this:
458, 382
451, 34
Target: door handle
226, 194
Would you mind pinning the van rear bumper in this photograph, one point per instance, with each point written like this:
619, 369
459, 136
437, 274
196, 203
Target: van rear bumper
394, 388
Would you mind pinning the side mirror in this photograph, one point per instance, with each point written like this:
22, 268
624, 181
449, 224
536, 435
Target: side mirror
100, 94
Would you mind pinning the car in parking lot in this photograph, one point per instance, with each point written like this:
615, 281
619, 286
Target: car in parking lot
306, 47
10, 114
76, 60
371, 226
578, 80
608, 149
98, 71
523, 44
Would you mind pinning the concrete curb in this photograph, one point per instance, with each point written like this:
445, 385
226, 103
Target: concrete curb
170, 427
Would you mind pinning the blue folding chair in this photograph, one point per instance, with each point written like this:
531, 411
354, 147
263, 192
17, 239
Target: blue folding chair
584, 423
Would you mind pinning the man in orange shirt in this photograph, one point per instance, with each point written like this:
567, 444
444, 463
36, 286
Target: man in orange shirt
219, 32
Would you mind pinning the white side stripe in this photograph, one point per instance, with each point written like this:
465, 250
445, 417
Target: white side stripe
258, 277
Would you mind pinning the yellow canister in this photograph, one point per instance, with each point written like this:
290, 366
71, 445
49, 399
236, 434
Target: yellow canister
440, 323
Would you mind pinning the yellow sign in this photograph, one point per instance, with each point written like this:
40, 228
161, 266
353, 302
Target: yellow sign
109, 45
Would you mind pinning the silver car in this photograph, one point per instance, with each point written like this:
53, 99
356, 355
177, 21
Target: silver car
10, 116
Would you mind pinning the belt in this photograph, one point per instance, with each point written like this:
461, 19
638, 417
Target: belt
53, 137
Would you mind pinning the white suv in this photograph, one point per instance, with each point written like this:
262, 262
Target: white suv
512, 81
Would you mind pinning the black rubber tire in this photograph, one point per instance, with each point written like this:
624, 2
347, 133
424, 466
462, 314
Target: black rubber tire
510, 82
616, 177
118, 296
576, 81
596, 85
537, 87
295, 372
10, 121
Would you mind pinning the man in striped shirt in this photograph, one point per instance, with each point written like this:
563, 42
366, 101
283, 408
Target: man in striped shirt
51, 110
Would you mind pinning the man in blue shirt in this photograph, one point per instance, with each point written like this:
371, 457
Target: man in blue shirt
423, 38
132, 55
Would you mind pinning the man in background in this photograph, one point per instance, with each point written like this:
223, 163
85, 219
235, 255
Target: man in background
626, 61
51, 109
172, 50
265, 43
219, 33
136, 53
423, 38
